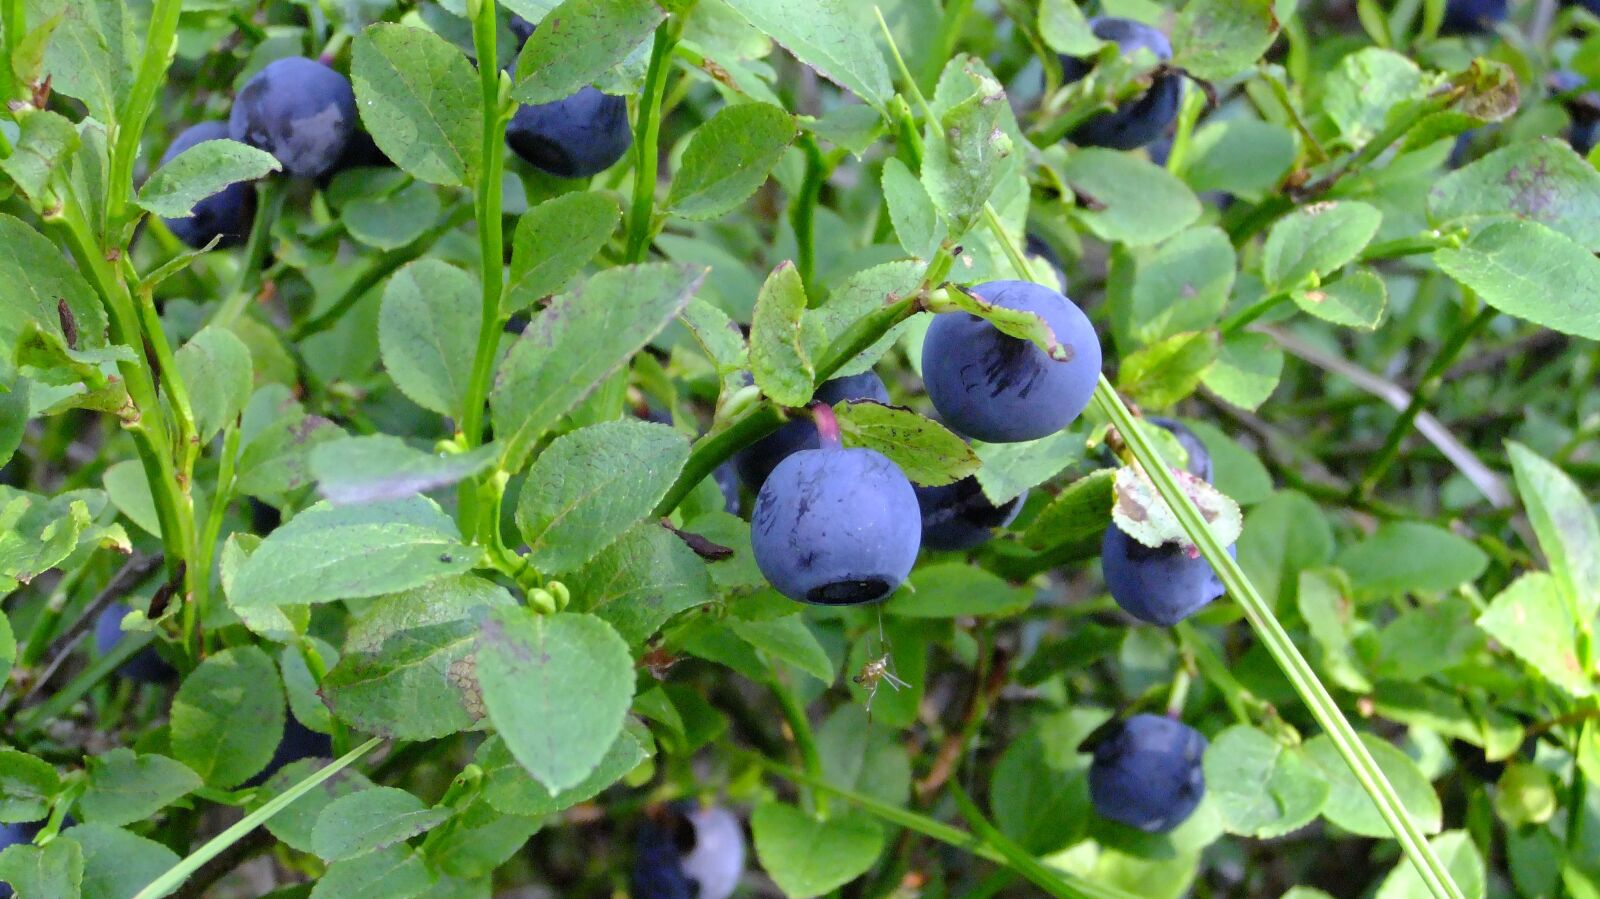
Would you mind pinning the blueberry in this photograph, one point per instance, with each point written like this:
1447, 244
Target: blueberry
1159, 586
756, 461
1583, 108
1147, 773
1001, 389
146, 666
1591, 5
1199, 457
16, 835
1139, 120
727, 478
958, 516
577, 137
522, 28
300, 111
299, 742
360, 152
836, 526
1472, 16
226, 213
697, 853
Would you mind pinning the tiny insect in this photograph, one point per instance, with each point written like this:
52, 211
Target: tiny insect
874, 672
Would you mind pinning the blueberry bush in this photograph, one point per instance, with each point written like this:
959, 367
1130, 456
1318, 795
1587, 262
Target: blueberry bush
693, 449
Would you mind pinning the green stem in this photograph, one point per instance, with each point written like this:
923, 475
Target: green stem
177, 874
158, 47
213, 528
1283, 650
491, 240
648, 131
269, 203
1178, 156
800, 726
1019, 859
955, 15
16, 25
1236, 322
1432, 380
802, 216
186, 442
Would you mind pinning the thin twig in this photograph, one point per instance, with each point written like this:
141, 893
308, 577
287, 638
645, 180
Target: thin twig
133, 572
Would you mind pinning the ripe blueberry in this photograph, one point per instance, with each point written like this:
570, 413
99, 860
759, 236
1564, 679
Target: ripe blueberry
836, 526
226, 213
1159, 586
299, 742
576, 137
1472, 16
1199, 457
146, 666
300, 111
1582, 106
1137, 121
1147, 773
958, 516
1001, 389
695, 853
756, 461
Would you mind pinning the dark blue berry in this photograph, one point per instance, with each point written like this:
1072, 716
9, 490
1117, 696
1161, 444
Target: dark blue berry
756, 461
1160, 586
691, 853
836, 526
146, 666
226, 213
577, 137
1147, 773
300, 111
1199, 457
299, 742
1139, 120
958, 516
1001, 389
1473, 16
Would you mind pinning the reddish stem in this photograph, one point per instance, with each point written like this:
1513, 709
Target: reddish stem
827, 425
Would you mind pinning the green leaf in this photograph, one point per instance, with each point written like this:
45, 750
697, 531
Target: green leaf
1012, 322
428, 333
1349, 805
1142, 514
1563, 520
1126, 199
1424, 640
787, 640
860, 294
46, 144
1364, 87
392, 220
867, 759
590, 486
1324, 602
507, 786
554, 241
1244, 157
1316, 240
419, 98
1539, 180
116, 863
306, 703
728, 158
1261, 787
1461, 858
1161, 375
380, 467
1011, 469
1077, 514
1356, 300
956, 589
578, 42
778, 357
1283, 536
124, 787
201, 171
371, 820
344, 552
1411, 557
476, 841
1531, 618
1247, 370
807, 857
90, 55
1525, 269
1064, 28
971, 151
14, 414
408, 669
1039, 793
37, 278
557, 688
216, 369
228, 715
295, 823
278, 436
835, 37
577, 342
8, 647
1216, 39
916, 220
27, 787
928, 452
1237, 471
1183, 286
393, 873
639, 582
55, 869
